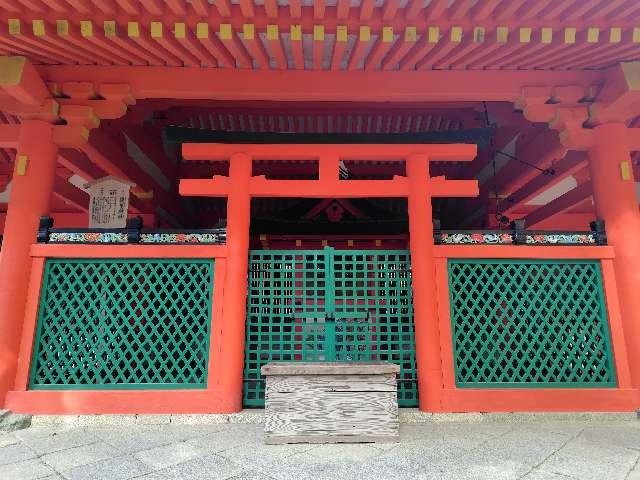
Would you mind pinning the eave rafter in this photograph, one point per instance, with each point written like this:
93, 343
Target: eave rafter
453, 34
570, 164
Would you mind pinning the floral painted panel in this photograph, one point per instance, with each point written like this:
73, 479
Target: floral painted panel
182, 238
561, 239
477, 238
87, 237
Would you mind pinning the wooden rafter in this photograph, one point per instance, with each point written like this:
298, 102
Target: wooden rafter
63, 34
561, 204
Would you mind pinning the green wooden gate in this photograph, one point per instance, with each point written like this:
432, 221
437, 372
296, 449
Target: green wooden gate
329, 305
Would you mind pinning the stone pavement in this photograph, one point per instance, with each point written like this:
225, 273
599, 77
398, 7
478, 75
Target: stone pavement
540, 448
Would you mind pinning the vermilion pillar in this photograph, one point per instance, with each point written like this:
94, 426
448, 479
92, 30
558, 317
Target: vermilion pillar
423, 280
235, 292
30, 198
614, 193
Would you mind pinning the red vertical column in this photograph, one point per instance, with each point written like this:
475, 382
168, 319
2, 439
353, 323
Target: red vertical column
423, 280
30, 198
616, 202
235, 291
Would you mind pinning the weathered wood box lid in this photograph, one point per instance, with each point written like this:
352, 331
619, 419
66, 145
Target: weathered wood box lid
329, 368
331, 402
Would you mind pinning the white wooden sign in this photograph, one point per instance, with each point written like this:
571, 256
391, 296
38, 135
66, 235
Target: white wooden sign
108, 202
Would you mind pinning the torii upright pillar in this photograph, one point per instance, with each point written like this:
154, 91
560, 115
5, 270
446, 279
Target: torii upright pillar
235, 292
240, 186
422, 278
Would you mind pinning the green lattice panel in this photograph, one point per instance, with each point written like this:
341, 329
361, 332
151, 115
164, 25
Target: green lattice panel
529, 323
123, 323
328, 305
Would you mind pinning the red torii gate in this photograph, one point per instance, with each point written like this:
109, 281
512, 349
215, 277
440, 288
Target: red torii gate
418, 187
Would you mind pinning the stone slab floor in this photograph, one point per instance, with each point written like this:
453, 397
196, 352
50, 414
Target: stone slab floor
496, 450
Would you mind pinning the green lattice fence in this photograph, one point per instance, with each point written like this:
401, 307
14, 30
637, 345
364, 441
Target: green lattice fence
529, 323
123, 323
330, 305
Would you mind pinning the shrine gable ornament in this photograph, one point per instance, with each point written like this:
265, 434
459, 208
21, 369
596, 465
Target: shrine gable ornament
108, 202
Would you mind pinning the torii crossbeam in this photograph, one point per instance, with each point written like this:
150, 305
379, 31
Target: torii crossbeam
329, 157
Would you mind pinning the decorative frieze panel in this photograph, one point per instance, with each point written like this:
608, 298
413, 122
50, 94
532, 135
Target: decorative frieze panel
518, 235
133, 233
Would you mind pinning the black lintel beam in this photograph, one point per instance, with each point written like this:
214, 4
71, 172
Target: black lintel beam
178, 134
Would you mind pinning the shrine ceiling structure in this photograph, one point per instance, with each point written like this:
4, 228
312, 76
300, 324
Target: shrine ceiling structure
117, 72
324, 35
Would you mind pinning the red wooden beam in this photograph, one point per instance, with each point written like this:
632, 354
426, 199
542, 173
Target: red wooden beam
223, 6
460, 8
128, 6
261, 187
80, 164
10, 6
83, 37
154, 7
342, 9
276, 47
9, 136
185, 37
108, 156
328, 156
426, 44
295, 8
147, 140
234, 46
339, 47
397, 152
366, 9
105, 6
502, 137
360, 49
389, 9
541, 151
172, 46
214, 46
436, 8
442, 86
177, 7
49, 35
380, 48
559, 205
571, 163
139, 34
318, 46
70, 194
132, 50
20, 80
402, 46
253, 43
483, 10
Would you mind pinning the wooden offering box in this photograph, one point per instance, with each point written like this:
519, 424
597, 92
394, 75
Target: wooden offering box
331, 402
